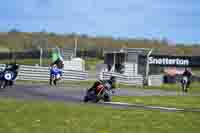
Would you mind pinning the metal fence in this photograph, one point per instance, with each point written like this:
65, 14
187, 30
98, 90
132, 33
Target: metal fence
124, 79
42, 73
37, 73
155, 80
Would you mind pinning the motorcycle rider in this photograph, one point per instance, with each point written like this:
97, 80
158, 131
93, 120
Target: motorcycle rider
57, 59
187, 74
58, 63
11, 68
14, 68
56, 66
55, 71
108, 84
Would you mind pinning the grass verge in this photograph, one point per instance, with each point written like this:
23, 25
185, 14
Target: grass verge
45, 117
90, 63
194, 87
45, 62
167, 101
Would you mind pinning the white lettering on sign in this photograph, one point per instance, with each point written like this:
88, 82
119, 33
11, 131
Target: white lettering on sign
168, 61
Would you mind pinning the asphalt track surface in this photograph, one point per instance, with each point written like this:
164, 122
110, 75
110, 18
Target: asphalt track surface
74, 94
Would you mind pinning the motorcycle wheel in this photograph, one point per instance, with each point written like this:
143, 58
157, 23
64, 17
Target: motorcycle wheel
97, 100
93, 100
184, 89
1, 83
106, 98
86, 99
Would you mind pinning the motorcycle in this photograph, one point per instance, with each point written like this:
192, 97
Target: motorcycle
100, 92
184, 84
8, 75
55, 75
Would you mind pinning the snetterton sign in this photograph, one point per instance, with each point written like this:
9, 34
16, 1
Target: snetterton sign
183, 61
168, 61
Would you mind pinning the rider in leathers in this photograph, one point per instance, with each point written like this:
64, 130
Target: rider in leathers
13, 67
188, 74
108, 84
56, 72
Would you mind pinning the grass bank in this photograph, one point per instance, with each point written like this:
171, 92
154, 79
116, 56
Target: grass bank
90, 63
45, 62
167, 101
45, 117
195, 87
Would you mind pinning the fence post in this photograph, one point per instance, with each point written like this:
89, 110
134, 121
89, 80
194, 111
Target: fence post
147, 68
41, 53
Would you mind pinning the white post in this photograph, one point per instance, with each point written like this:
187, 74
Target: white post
75, 47
114, 56
147, 65
41, 52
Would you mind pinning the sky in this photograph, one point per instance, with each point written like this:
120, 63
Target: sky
176, 20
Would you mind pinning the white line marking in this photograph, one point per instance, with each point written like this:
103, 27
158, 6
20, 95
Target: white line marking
139, 105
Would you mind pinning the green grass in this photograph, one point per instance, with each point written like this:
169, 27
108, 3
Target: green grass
168, 101
195, 87
45, 62
44, 117
3, 49
91, 63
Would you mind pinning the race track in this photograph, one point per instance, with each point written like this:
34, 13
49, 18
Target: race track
75, 94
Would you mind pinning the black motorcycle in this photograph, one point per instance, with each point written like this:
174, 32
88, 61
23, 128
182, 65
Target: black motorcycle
8, 75
184, 84
98, 93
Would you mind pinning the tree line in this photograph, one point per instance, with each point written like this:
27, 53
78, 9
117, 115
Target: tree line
16, 41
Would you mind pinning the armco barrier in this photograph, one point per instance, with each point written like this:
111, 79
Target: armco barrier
38, 73
124, 79
155, 80
42, 73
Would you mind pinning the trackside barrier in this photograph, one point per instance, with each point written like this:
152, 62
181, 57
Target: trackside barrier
42, 73
38, 73
124, 79
155, 80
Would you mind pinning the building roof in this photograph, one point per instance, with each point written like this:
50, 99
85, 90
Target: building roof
143, 51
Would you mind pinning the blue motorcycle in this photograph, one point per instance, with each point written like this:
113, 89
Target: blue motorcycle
55, 75
8, 75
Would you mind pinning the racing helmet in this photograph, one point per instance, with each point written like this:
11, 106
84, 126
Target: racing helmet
15, 66
113, 79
